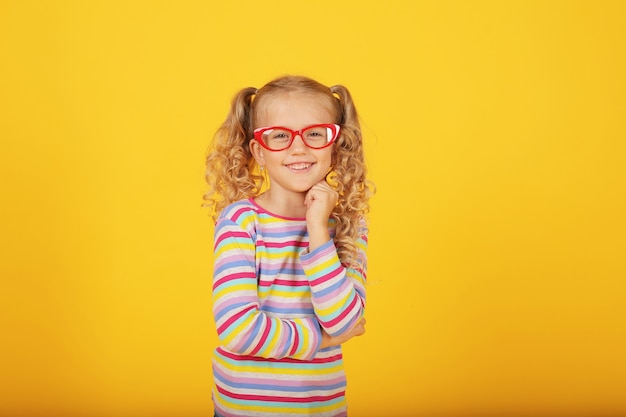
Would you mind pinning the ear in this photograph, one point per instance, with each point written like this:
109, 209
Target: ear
257, 152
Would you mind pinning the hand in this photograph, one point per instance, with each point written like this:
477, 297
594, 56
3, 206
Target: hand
357, 330
320, 201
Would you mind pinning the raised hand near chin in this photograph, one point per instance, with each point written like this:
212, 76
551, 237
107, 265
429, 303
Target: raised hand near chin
320, 201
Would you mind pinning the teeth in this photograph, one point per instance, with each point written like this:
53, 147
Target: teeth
299, 166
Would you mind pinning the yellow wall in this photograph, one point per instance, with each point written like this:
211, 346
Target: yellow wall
495, 133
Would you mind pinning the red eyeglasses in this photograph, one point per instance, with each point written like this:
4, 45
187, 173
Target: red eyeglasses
278, 138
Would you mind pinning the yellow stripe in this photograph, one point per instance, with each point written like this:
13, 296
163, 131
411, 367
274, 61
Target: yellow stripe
321, 267
245, 324
270, 220
232, 246
305, 339
355, 276
285, 294
278, 371
324, 312
272, 343
288, 253
240, 287
245, 221
283, 410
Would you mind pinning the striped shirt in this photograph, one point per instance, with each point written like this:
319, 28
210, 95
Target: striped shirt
271, 300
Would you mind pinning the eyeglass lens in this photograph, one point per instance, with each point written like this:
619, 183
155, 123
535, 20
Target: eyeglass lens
313, 137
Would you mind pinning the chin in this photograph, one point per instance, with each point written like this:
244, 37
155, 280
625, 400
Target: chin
303, 188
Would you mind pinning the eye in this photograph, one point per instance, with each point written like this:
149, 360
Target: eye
277, 135
316, 133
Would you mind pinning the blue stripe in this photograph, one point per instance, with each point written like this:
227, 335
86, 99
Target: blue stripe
294, 292
235, 326
288, 388
234, 283
232, 264
297, 233
272, 270
289, 310
325, 291
279, 405
228, 311
258, 324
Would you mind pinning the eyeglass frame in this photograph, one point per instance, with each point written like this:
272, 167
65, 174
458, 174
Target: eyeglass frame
258, 132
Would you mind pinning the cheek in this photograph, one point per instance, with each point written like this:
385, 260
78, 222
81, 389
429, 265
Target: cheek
327, 160
331, 155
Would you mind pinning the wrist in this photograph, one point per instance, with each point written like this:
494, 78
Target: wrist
317, 238
317, 227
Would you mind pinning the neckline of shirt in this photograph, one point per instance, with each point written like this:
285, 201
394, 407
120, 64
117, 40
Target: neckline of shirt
260, 209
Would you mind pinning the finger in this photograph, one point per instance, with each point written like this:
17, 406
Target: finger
326, 189
308, 199
319, 192
323, 185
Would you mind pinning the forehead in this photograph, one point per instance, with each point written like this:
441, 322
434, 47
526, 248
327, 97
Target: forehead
294, 110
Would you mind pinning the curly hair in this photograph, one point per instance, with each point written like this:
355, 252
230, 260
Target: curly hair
232, 173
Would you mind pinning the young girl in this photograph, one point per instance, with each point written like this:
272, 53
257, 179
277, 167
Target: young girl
289, 276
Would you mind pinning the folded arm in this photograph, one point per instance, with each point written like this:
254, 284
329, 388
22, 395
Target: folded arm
241, 326
338, 292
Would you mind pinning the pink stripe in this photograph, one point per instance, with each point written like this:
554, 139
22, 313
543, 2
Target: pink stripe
283, 304
233, 318
239, 212
342, 316
277, 381
233, 257
230, 277
285, 282
235, 357
225, 305
227, 235
285, 244
326, 277
285, 229
271, 398
296, 341
266, 331
329, 296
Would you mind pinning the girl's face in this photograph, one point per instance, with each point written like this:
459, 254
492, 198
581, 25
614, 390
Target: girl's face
297, 168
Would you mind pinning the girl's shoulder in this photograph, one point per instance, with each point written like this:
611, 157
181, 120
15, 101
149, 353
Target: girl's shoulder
238, 216
239, 211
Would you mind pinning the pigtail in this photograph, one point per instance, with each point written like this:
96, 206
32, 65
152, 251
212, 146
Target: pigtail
230, 167
351, 173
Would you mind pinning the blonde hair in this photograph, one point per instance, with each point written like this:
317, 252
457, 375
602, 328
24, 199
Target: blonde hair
232, 174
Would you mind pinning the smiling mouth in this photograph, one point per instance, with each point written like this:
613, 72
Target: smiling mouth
300, 166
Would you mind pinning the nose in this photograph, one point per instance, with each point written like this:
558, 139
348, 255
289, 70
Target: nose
298, 144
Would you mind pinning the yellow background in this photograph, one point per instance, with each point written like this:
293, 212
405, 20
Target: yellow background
495, 132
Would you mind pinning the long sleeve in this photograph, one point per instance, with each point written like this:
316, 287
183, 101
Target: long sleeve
241, 326
338, 293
